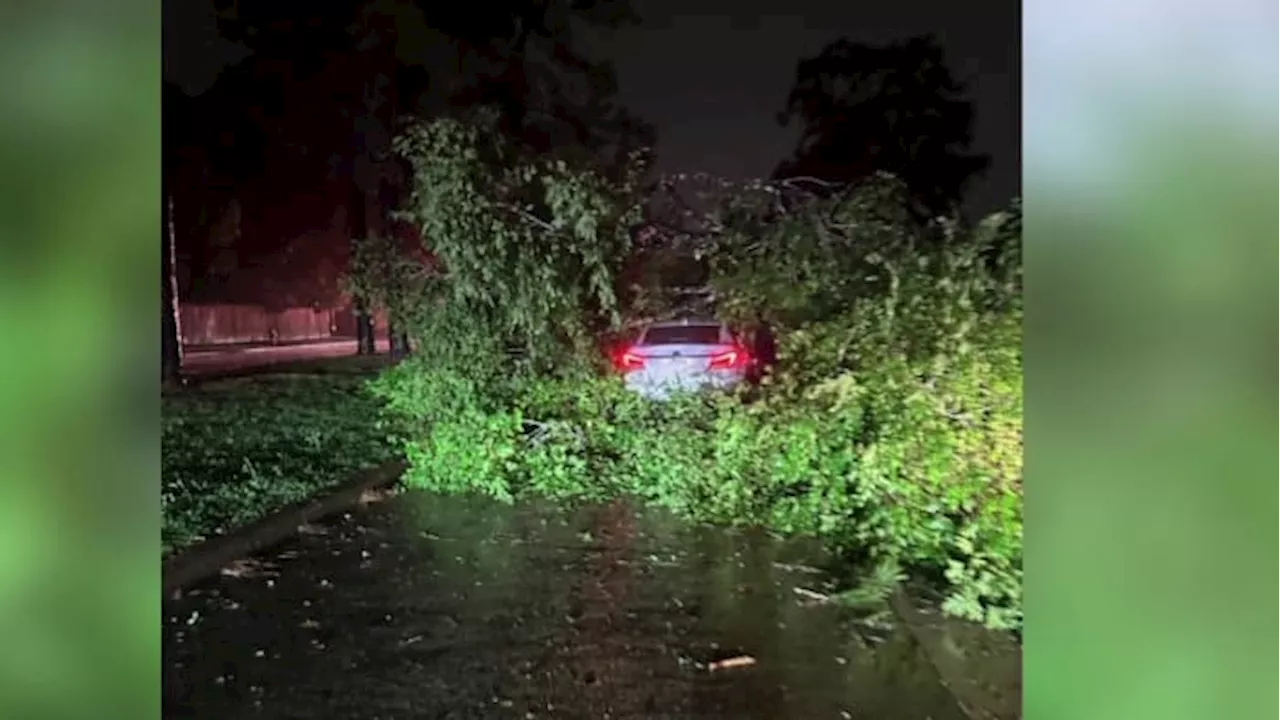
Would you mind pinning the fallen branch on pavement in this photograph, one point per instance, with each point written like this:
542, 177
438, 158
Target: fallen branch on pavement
811, 594
733, 662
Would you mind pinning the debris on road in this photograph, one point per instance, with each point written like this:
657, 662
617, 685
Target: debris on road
733, 662
372, 496
795, 567
424, 605
812, 594
250, 568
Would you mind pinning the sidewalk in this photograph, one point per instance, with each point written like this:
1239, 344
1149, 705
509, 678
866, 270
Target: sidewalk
222, 359
233, 347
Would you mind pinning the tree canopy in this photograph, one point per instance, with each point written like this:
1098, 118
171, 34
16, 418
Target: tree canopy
895, 108
332, 79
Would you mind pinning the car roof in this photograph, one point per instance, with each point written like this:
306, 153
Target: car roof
684, 322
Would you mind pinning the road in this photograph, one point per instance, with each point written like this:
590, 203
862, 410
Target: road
207, 361
429, 607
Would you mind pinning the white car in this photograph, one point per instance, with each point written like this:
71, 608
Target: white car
683, 356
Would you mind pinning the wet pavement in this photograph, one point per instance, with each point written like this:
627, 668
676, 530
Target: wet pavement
443, 607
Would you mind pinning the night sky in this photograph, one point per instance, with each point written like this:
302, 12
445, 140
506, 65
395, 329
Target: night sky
712, 80
713, 75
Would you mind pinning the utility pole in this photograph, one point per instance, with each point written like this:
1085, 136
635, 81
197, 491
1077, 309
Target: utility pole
171, 318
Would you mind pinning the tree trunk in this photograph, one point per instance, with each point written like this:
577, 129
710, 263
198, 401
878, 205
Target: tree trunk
371, 334
365, 342
358, 229
170, 324
399, 341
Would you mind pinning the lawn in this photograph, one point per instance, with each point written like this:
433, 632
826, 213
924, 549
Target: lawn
236, 450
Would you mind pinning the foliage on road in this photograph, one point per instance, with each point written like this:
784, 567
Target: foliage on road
892, 429
235, 451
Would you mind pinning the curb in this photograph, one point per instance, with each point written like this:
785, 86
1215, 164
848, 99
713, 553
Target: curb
981, 668
208, 557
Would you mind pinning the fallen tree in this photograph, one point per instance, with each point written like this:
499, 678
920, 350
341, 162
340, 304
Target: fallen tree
892, 429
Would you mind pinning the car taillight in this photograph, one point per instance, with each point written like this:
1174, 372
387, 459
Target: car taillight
628, 361
728, 360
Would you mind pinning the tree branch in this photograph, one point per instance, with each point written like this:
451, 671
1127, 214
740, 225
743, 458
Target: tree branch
530, 217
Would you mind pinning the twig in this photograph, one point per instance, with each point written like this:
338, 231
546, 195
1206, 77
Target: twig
733, 662
793, 181
792, 567
811, 594
530, 217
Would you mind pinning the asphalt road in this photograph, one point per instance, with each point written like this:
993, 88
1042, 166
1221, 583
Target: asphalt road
429, 607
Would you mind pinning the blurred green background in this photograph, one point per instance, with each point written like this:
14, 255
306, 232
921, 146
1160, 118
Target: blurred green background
1150, 159
1150, 186
79, 467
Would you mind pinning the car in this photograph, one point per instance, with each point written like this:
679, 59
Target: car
688, 355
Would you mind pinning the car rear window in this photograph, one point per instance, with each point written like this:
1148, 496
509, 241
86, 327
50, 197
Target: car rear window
683, 335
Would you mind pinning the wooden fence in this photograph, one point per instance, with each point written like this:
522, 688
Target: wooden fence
231, 324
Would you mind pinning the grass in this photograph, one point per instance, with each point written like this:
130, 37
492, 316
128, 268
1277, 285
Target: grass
234, 451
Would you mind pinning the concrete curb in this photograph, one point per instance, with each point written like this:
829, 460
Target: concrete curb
981, 668
206, 558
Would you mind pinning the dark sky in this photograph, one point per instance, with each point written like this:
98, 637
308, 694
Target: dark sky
712, 75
